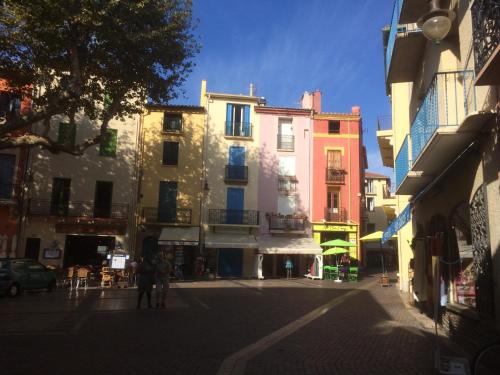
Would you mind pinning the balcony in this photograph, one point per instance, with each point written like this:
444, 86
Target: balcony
151, 215
286, 142
384, 139
238, 129
286, 223
335, 176
287, 184
247, 218
9, 193
444, 125
337, 215
44, 207
405, 45
486, 36
236, 174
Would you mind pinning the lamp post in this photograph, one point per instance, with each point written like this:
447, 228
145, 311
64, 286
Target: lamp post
436, 24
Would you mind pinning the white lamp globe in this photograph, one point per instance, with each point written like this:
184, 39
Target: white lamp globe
436, 28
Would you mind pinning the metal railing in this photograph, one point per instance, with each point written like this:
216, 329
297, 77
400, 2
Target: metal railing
287, 183
238, 129
486, 30
393, 32
451, 96
336, 214
236, 173
287, 222
44, 207
286, 142
241, 217
9, 191
403, 163
335, 176
151, 215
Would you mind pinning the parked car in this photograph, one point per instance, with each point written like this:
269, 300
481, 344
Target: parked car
18, 274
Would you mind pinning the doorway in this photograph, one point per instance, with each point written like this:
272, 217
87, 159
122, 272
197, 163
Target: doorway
32, 248
87, 250
230, 262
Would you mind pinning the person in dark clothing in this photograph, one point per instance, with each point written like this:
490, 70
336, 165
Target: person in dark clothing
145, 281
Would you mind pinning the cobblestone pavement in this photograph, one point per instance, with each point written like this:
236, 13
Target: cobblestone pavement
316, 327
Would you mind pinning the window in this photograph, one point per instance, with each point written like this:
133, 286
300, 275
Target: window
238, 120
334, 127
285, 135
370, 189
103, 198
10, 104
66, 135
333, 201
287, 165
370, 203
172, 122
60, 196
170, 153
334, 159
7, 166
167, 202
108, 144
286, 205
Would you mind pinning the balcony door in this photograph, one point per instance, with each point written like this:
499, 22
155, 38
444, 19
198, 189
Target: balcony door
235, 204
7, 164
236, 163
238, 120
167, 202
334, 159
103, 198
59, 201
333, 201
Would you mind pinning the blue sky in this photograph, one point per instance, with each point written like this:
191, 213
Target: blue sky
285, 47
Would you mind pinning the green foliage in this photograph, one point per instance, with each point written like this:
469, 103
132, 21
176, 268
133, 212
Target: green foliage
109, 143
103, 57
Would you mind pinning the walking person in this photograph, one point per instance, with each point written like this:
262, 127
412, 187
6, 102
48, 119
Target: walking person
145, 272
288, 267
162, 272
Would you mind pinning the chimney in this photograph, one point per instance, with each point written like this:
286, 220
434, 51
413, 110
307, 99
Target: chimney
306, 101
356, 110
316, 101
203, 92
252, 90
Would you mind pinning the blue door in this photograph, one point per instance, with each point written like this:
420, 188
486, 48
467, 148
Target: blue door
235, 199
236, 170
167, 202
230, 262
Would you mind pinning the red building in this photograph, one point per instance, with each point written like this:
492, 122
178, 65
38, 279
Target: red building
12, 172
339, 160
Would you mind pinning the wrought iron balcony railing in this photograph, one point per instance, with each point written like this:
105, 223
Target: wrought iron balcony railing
151, 215
287, 184
403, 163
237, 217
451, 96
9, 191
286, 142
336, 214
335, 176
238, 129
44, 207
287, 222
236, 173
486, 31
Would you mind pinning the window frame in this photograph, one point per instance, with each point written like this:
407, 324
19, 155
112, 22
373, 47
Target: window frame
169, 116
333, 127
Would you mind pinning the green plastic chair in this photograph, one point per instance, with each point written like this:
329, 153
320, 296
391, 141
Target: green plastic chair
326, 272
353, 274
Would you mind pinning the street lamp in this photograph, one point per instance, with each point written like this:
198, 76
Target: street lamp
437, 23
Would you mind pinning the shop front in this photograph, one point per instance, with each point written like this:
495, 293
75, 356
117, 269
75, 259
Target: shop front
323, 232
183, 244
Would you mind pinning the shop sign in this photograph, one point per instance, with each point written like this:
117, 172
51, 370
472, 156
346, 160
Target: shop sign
334, 228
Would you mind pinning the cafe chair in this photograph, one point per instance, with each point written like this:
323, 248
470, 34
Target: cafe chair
107, 276
353, 274
70, 275
82, 277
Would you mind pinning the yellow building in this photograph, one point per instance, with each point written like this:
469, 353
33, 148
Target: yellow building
380, 206
170, 188
444, 147
231, 217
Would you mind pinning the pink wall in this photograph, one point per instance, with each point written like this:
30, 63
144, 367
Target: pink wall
349, 192
269, 160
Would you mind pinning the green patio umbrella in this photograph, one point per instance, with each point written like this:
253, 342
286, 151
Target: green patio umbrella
338, 243
335, 251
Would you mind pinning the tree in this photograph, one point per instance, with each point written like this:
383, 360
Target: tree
105, 58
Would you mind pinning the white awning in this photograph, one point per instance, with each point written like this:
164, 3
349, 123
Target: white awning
288, 245
189, 236
230, 240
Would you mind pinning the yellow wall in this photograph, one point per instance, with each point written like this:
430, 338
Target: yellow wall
188, 172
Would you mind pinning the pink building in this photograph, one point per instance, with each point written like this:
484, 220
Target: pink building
285, 191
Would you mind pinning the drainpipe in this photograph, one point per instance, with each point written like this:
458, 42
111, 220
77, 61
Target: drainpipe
204, 175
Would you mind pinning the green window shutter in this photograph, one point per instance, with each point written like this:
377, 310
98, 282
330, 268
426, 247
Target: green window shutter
170, 153
108, 145
66, 134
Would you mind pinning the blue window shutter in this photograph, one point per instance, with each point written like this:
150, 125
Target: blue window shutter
246, 121
235, 201
229, 118
236, 155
